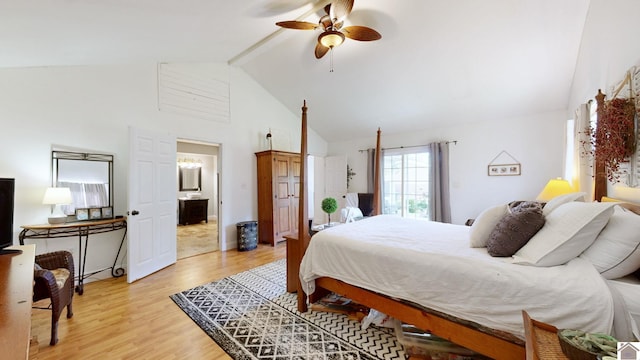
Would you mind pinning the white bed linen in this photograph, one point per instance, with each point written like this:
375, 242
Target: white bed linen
431, 264
629, 289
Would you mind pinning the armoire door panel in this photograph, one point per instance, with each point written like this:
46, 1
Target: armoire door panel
294, 216
284, 220
282, 167
282, 190
295, 167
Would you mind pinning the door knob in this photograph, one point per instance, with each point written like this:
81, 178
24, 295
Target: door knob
135, 212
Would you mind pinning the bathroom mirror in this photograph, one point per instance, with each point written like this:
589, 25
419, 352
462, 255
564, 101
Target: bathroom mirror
88, 176
190, 178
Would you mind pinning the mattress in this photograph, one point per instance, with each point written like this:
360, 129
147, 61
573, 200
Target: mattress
431, 264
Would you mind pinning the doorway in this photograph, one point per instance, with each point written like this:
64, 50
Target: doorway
197, 173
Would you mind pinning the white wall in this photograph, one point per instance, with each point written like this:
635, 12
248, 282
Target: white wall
610, 46
535, 141
92, 107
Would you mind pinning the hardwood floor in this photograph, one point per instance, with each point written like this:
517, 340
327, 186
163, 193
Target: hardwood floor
117, 320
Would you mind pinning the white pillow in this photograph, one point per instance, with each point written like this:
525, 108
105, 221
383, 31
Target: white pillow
350, 214
562, 199
616, 251
568, 231
484, 224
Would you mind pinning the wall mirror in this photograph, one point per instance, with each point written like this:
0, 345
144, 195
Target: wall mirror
88, 176
190, 178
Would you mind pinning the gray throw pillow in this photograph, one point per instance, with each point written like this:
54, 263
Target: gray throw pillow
514, 230
517, 206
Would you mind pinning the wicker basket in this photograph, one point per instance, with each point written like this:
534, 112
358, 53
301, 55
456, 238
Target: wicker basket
573, 352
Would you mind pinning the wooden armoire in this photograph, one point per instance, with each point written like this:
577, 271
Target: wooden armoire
278, 195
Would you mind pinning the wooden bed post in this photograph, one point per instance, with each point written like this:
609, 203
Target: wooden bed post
303, 206
600, 176
377, 206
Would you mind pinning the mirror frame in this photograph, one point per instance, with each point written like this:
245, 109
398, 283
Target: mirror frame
57, 155
181, 185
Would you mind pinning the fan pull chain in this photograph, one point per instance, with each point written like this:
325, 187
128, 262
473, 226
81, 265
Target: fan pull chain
331, 59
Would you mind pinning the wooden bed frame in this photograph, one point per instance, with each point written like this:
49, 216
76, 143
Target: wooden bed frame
489, 342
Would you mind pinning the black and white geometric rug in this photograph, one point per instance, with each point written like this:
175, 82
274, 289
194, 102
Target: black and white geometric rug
251, 316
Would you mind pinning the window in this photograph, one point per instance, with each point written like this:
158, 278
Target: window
578, 159
406, 182
569, 150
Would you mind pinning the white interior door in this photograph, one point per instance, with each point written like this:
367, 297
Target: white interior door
152, 203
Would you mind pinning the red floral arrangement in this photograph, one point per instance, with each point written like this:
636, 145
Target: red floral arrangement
614, 139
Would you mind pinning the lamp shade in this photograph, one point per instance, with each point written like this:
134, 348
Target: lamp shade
554, 187
57, 196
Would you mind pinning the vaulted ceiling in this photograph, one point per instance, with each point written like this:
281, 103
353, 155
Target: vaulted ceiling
438, 62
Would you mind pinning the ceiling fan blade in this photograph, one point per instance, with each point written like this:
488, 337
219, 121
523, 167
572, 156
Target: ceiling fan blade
340, 9
297, 25
321, 50
361, 33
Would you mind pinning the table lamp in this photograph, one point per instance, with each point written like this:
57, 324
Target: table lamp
57, 197
554, 187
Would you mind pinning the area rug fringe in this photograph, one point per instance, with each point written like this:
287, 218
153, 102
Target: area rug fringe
251, 316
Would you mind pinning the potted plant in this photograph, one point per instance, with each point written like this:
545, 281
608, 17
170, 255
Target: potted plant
329, 205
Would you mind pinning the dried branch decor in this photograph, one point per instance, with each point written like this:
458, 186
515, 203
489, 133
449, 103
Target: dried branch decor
613, 139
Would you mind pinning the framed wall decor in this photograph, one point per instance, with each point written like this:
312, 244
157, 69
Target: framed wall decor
82, 214
504, 170
107, 212
504, 165
95, 213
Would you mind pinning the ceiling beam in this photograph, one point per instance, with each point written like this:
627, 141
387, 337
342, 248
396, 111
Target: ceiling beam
315, 8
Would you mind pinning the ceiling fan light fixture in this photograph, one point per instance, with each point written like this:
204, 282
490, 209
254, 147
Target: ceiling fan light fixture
331, 38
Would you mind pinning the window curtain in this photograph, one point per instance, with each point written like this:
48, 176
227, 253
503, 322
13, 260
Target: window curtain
85, 195
440, 204
97, 195
371, 174
77, 196
371, 168
582, 179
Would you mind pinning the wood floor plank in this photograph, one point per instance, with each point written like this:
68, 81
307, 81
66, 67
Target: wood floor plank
116, 320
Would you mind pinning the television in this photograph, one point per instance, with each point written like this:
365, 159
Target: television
7, 189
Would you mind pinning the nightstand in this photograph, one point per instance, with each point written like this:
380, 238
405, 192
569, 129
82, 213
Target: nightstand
316, 228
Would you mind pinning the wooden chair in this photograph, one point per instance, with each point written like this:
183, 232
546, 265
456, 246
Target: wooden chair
54, 279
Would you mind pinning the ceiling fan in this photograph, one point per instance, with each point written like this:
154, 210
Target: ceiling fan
333, 34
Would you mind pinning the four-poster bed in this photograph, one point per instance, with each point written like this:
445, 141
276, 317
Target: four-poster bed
496, 344
426, 274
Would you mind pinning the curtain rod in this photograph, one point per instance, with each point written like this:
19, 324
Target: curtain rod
455, 142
